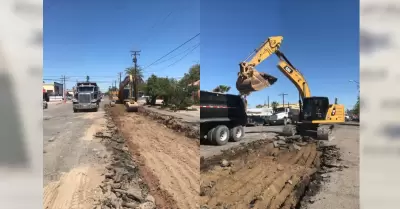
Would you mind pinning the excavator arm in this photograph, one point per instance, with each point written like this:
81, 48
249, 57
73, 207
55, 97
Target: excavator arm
128, 79
249, 79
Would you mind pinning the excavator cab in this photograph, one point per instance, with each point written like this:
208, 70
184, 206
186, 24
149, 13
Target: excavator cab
315, 108
318, 110
249, 79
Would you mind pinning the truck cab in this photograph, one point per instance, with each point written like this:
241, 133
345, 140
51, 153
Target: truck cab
283, 116
86, 97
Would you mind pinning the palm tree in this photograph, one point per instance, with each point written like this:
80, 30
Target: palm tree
222, 89
138, 72
137, 75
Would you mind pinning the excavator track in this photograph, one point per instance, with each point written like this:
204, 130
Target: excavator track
321, 132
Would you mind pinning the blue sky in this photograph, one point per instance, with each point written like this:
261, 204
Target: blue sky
321, 39
94, 38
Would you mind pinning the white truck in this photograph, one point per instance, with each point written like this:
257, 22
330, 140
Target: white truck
258, 116
283, 116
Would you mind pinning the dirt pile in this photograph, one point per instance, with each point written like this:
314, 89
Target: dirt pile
122, 186
188, 129
284, 172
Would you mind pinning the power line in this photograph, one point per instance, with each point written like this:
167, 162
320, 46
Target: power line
186, 50
185, 55
172, 51
155, 24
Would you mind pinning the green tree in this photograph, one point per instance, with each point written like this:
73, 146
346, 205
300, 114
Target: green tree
274, 105
192, 75
259, 106
87, 78
222, 88
356, 109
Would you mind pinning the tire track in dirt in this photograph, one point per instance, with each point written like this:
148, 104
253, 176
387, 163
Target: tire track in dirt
171, 157
74, 190
265, 177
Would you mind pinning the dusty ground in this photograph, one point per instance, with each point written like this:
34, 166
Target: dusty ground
260, 173
169, 161
266, 174
73, 159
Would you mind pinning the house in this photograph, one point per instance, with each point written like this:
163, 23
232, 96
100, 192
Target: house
53, 89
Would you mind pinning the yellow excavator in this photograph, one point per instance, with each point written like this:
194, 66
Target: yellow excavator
130, 102
316, 114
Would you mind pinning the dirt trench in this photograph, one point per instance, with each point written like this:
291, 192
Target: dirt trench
168, 162
278, 173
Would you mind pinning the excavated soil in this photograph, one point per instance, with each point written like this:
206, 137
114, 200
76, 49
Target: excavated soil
278, 173
168, 161
123, 184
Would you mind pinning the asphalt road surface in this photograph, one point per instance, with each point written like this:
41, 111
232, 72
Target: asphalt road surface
68, 139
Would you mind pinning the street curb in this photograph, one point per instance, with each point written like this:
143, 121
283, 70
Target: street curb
350, 124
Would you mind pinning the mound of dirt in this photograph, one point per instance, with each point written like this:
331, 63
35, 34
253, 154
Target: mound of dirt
284, 172
190, 130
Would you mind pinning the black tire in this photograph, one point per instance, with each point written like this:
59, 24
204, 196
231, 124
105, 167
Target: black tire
220, 135
236, 133
75, 110
210, 136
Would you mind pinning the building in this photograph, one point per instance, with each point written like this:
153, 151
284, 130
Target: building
294, 105
53, 89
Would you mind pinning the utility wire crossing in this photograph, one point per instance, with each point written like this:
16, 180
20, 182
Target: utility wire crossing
171, 51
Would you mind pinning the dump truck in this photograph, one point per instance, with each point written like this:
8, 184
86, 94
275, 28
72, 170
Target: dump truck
86, 97
222, 117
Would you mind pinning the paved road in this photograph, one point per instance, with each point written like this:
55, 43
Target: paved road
68, 139
343, 189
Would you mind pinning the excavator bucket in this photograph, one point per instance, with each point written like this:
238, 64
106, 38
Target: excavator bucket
253, 80
132, 106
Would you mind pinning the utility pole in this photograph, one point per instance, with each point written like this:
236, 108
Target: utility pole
268, 101
283, 98
135, 54
63, 78
120, 75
